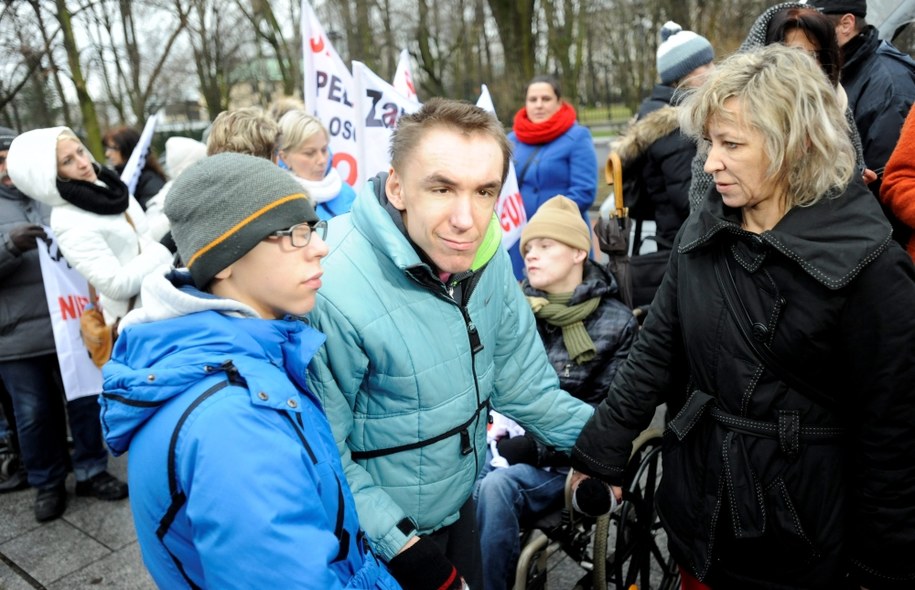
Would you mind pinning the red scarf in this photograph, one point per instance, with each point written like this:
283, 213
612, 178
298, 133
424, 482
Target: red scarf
546, 131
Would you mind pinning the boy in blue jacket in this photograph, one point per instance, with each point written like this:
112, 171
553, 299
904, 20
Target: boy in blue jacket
236, 478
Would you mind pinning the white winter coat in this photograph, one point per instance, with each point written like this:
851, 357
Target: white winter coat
113, 256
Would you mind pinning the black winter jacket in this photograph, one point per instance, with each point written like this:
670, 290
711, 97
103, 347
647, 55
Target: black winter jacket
612, 328
880, 83
760, 490
664, 155
25, 323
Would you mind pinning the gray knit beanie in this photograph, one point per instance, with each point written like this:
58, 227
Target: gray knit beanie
681, 52
223, 206
7, 136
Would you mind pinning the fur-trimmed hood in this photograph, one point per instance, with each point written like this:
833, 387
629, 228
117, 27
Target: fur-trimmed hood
646, 131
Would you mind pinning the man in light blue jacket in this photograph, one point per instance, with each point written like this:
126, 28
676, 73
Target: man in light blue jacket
430, 331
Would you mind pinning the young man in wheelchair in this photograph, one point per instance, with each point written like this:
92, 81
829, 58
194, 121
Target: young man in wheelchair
587, 332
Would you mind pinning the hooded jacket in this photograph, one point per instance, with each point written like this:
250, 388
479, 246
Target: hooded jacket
765, 486
654, 148
414, 360
25, 323
611, 327
756, 38
265, 502
113, 256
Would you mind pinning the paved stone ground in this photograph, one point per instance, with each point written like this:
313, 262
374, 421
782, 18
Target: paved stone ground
93, 546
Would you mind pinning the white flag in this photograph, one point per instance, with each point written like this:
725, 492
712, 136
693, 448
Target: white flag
378, 106
328, 96
403, 77
67, 293
137, 159
510, 207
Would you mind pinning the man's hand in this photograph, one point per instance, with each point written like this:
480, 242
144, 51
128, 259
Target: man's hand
23, 236
868, 176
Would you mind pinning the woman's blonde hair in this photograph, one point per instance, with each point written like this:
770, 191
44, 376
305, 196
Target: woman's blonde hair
297, 127
785, 95
246, 130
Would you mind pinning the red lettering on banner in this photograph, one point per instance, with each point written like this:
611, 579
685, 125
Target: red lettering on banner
511, 212
317, 44
346, 160
71, 306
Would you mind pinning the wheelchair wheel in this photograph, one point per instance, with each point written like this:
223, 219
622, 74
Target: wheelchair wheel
640, 556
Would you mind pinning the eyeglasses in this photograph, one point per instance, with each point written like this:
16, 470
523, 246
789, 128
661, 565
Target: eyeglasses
301, 234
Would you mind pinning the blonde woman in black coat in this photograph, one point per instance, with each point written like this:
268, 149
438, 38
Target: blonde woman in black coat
782, 340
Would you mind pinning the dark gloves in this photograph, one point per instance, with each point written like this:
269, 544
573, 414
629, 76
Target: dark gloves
23, 236
526, 449
518, 449
424, 567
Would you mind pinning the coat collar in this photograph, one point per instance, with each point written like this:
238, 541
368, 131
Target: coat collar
832, 240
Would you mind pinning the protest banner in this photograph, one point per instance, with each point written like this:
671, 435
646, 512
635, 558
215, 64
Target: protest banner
403, 77
378, 106
510, 207
329, 93
137, 159
67, 294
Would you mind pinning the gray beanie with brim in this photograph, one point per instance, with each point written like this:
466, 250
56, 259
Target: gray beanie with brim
7, 136
223, 206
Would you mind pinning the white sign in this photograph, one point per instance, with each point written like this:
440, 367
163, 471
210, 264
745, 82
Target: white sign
403, 77
68, 293
378, 107
329, 96
137, 159
510, 207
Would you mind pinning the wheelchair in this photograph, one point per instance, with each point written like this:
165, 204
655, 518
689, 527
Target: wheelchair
625, 550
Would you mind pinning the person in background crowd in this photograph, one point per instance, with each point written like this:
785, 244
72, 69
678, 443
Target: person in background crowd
653, 146
880, 83
781, 341
247, 130
28, 358
180, 154
775, 25
587, 332
119, 145
263, 499
553, 154
12, 474
898, 189
283, 105
430, 331
302, 149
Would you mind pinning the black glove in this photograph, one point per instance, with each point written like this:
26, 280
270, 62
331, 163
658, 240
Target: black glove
519, 449
592, 497
23, 236
424, 567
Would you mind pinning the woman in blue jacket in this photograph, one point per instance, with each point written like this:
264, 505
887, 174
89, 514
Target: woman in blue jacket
553, 154
238, 480
302, 149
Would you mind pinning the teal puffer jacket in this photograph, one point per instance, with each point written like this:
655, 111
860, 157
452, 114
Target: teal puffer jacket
410, 359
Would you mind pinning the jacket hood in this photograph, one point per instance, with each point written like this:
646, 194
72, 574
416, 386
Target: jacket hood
32, 163
831, 240
181, 152
156, 360
376, 223
596, 282
646, 131
757, 35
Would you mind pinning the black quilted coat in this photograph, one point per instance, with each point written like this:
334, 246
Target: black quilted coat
763, 487
612, 328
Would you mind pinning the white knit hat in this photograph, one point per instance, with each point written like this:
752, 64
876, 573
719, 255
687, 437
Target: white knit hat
681, 52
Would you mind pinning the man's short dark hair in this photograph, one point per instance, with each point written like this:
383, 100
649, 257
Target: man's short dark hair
457, 115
